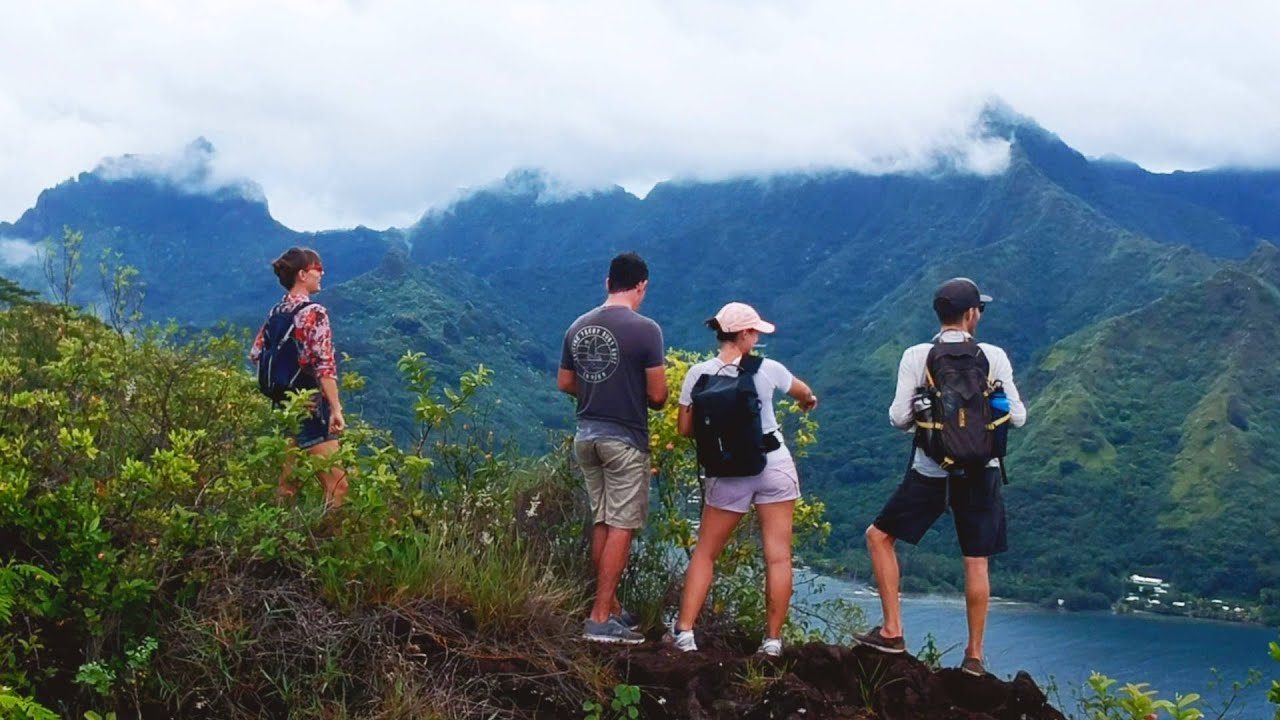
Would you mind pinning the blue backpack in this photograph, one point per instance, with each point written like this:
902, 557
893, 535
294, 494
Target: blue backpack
279, 370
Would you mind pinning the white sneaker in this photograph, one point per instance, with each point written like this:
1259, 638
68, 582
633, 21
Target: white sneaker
683, 640
771, 647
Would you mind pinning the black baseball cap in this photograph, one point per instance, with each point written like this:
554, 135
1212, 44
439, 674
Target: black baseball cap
957, 295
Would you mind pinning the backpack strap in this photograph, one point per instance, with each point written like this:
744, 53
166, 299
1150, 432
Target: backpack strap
750, 364
746, 366
291, 314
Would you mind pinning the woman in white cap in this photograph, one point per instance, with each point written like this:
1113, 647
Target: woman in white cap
773, 491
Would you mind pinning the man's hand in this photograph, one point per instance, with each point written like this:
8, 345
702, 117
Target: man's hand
337, 423
809, 403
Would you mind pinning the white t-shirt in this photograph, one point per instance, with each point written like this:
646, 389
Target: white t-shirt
772, 376
911, 376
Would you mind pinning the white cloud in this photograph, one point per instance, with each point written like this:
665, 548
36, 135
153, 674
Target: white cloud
15, 252
193, 169
370, 112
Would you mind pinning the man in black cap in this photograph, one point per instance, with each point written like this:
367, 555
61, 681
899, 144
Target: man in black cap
972, 492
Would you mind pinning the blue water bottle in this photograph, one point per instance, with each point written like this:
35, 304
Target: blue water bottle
999, 418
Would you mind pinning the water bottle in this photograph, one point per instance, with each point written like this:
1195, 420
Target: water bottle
999, 409
921, 405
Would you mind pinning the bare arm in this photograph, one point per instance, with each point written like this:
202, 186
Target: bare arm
567, 381
329, 388
803, 395
655, 384
684, 421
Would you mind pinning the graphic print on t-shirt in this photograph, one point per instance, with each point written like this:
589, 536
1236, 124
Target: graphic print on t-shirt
595, 353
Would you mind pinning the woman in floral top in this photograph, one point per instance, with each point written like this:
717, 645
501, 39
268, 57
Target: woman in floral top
300, 271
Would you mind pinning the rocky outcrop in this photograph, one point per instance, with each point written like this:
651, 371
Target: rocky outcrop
818, 681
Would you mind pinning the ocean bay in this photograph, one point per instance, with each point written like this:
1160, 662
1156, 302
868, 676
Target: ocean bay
1171, 654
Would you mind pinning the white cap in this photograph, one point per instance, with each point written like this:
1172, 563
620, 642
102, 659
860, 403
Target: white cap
738, 316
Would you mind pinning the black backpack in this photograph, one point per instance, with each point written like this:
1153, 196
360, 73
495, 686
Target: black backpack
960, 429
726, 422
279, 371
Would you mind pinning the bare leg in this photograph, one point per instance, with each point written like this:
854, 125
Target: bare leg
334, 480
884, 562
287, 488
614, 552
977, 597
775, 528
599, 533
717, 526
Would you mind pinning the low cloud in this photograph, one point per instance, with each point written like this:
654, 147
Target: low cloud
15, 252
193, 170
372, 111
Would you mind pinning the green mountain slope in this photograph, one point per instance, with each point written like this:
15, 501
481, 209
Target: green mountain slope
845, 264
447, 314
1060, 267
1154, 441
203, 254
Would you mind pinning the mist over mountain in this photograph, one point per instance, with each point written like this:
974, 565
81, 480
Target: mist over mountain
1133, 305
202, 244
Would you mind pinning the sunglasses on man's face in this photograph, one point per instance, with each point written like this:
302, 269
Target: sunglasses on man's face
982, 307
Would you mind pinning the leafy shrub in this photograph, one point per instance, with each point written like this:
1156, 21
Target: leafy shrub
1273, 695
147, 564
1134, 702
149, 568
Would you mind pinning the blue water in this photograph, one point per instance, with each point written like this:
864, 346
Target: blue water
1173, 655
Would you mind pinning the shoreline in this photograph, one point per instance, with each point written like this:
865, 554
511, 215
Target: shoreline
857, 590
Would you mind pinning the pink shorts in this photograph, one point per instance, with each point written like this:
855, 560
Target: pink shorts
779, 482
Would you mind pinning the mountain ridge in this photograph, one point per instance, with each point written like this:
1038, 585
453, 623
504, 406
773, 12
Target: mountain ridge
845, 263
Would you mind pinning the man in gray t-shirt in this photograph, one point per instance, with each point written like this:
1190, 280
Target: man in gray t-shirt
613, 363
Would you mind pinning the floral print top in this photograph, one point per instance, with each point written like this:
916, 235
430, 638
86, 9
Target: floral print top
311, 329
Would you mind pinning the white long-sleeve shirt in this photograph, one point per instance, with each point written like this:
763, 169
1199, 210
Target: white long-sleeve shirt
911, 376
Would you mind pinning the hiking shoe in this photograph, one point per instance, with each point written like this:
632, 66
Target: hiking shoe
629, 620
610, 631
873, 639
973, 666
682, 639
771, 647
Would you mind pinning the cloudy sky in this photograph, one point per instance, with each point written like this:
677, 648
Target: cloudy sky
371, 111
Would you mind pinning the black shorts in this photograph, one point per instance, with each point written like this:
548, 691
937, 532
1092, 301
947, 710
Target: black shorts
975, 501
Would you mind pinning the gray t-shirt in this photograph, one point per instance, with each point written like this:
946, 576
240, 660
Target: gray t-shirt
609, 349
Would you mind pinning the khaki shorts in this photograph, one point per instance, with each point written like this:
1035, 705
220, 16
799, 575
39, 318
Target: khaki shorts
617, 481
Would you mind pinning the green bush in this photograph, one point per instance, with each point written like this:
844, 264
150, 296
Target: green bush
147, 562
1273, 695
150, 569
1134, 702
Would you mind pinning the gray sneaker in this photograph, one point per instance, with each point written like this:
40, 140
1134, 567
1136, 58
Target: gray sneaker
629, 620
973, 666
873, 639
610, 631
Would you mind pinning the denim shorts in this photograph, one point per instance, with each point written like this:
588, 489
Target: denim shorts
778, 482
975, 500
315, 427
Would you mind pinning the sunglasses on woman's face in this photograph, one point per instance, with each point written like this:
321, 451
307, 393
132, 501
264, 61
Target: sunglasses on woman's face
317, 268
